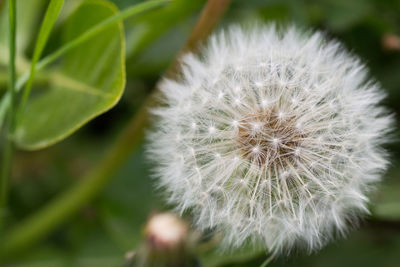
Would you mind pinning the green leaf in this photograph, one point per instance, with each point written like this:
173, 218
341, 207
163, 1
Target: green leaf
90, 80
50, 18
87, 35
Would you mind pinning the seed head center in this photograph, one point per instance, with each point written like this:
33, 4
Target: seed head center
268, 136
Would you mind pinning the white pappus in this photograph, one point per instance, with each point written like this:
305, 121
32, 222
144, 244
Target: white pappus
272, 136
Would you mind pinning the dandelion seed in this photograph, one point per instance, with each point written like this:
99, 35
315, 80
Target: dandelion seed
259, 84
211, 129
294, 155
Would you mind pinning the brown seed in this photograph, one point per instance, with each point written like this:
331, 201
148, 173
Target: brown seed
265, 137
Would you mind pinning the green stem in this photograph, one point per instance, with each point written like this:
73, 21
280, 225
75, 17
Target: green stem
129, 12
267, 261
63, 207
66, 205
9, 144
53, 10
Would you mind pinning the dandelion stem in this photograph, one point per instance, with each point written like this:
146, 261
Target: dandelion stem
9, 144
63, 207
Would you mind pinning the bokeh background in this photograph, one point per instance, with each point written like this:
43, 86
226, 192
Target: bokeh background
112, 224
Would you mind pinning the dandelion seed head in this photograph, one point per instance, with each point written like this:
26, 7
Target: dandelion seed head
280, 138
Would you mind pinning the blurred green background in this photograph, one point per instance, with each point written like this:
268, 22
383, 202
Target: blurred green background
101, 233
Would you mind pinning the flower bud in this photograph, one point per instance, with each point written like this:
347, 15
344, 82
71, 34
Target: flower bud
165, 232
167, 242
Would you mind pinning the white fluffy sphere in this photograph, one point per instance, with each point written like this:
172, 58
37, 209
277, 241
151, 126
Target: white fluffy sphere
271, 136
